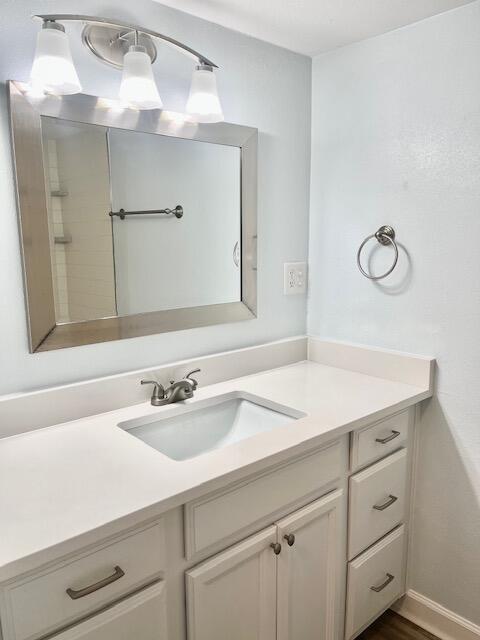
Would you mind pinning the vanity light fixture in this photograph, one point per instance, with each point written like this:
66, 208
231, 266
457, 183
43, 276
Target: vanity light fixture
203, 102
123, 46
138, 88
53, 69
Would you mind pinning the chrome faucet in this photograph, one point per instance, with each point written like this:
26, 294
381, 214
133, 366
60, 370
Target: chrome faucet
177, 391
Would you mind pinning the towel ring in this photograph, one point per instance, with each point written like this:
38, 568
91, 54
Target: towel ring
385, 235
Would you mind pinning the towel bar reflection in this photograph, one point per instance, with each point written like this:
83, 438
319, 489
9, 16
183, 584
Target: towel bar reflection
385, 235
122, 214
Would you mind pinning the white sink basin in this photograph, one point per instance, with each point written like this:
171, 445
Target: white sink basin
188, 430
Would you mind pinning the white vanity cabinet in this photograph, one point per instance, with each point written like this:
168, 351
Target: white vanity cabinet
279, 584
313, 547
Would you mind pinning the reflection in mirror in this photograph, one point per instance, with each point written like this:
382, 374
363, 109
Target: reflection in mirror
106, 265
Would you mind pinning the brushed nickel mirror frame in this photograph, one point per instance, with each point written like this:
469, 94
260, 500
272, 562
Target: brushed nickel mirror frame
45, 333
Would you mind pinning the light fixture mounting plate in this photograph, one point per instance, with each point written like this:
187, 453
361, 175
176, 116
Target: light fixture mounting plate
110, 44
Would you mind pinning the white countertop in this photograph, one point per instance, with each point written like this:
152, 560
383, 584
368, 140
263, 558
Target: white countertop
63, 486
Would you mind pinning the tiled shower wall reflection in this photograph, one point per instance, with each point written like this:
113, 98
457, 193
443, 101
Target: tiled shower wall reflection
82, 252
57, 234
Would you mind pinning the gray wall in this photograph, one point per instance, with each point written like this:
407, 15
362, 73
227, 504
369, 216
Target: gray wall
396, 140
261, 86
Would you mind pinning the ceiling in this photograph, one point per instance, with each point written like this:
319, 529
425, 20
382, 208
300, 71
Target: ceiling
313, 26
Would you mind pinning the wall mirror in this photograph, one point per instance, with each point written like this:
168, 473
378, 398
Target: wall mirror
132, 223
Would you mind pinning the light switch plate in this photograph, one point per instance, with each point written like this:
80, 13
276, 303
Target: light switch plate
294, 278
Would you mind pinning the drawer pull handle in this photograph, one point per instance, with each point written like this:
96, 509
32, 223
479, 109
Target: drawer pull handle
80, 593
277, 547
385, 505
290, 538
394, 435
382, 586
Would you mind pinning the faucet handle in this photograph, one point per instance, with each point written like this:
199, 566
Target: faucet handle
158, 390
193, 382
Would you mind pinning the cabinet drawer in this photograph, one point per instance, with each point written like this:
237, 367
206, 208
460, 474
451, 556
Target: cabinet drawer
141, 616
379, 439
219, 516
67, 592
375, 580
376, 501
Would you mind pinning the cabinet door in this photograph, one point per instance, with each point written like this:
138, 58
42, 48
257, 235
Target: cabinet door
232, 595
140, 617
309, 570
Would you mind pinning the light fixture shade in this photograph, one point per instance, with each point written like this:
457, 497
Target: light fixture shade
203, 103
53, 70
138, 88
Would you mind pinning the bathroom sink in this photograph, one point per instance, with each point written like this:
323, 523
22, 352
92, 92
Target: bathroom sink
188, 430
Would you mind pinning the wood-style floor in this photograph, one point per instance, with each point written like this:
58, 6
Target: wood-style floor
391, 626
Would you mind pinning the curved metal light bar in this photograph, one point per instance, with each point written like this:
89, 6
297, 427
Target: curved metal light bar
66, 17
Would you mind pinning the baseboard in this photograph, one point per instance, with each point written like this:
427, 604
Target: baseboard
432, 617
